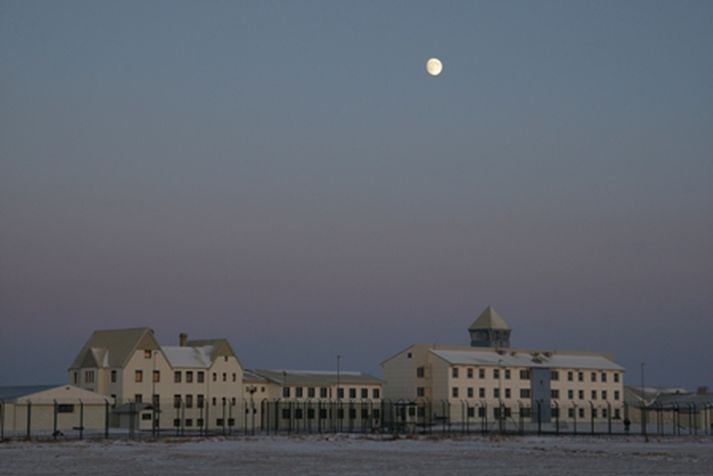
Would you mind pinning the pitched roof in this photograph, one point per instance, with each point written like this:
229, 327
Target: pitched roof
188, 357
489, 319
51, 393
527, 358
317, 377
220, 348
114, 347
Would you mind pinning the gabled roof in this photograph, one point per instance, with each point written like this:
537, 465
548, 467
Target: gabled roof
526, 358
489, 319
51, 393
317, 377
220, 348
188, 357
114, 347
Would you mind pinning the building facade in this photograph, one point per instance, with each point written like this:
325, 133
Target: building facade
195, 385
491, 381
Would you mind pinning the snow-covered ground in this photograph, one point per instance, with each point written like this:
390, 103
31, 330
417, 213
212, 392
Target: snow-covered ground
347, 455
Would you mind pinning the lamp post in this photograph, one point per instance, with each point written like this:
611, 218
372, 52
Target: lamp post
643, 402
500, 394
339, 406
154, 400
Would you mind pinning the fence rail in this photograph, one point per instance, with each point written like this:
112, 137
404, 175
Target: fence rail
185, 417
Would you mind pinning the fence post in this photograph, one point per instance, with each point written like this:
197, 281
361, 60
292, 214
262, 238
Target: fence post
591, 416
81, 419
609, 417
575, 410
29, 418
2, 420
55, 410
106, 419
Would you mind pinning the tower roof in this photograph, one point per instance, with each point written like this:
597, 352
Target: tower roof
489, 319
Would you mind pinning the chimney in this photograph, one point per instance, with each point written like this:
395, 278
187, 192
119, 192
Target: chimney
183, 339
702, 391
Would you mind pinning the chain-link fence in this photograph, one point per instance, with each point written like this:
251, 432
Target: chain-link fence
184, 416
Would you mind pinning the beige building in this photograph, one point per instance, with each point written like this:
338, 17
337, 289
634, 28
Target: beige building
196, 385
48, 410
489, 379
315, 400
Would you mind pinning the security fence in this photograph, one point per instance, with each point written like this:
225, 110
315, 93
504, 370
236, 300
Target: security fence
183, 416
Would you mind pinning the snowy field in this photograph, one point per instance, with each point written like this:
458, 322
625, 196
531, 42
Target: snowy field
346, 455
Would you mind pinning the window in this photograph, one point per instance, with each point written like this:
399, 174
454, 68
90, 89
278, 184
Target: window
145, 416
555, 412
147, 354
616, 377
470, 372
481, 412
219, 421
340, 414
594, 376
214, 401
176, 422
507, 374
233, 400
138, 398
177, 376
525, 412
481, 373
554, 375
496, 373
570, 376
176, 401
225, 358
616, 394
323, 392
580, 376
89, 376
570, 412
189, 376
409, 355
298, 392
594, 394
139, 376
470, 392
156, 376
364, 393
594, 413
471, 412
200, 400
376, 413
310, 413
199, 422
285, 392
507, 393
496, 393
604, 412
420, 372
580, 394
352, 393
76, 378
454, 372
581, 412
65, 408
555, 394
454, 392
375, 393
113, 376
189, 421
352, 413
604, 394
570, 394
420, 392
617, 412
322, 413
525, 374
298, 413
481, 392
524, 393
189, 401
604, 377
201, 376
234, 377
225, 377
310, 392
340, 393
215, 377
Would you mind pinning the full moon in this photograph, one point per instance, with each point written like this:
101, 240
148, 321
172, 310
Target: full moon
434, 66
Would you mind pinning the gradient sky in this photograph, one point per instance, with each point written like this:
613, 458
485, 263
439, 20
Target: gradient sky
286, 175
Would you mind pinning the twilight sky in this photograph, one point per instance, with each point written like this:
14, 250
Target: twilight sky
286, 175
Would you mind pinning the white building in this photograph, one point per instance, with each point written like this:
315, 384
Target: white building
490, 379
196, 385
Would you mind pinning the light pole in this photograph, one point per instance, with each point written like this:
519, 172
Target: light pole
339, 406
643, 401
154, 400
500, 394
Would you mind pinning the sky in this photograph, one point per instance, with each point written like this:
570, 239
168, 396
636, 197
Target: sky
287, 176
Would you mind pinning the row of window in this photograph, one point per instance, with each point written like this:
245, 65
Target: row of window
178, 376
524, 393
525, 374
325, 392
325, 413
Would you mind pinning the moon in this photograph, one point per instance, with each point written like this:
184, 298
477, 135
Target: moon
434, 67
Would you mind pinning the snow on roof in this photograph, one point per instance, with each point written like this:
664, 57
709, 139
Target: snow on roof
316, 377
188, 357
516, 358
